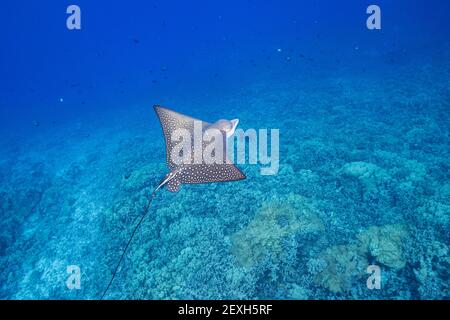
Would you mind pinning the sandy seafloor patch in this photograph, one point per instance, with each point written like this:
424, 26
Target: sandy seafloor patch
364, 179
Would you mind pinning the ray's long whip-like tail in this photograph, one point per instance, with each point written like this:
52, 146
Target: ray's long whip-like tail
147, 207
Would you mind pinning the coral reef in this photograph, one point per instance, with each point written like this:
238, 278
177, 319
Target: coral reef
274, 221
342, 263
385, 244
363, 179
370, 175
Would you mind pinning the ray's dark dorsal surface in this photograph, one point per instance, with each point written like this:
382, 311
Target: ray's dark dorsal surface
194, 169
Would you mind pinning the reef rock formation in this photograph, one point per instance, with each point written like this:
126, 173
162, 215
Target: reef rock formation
344, 263
274, 222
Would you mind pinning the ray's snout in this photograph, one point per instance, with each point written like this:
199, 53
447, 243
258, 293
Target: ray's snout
234, 124
228, 126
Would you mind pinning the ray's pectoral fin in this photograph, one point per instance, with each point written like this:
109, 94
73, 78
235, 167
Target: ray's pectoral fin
174, 185
210, 173
170, 122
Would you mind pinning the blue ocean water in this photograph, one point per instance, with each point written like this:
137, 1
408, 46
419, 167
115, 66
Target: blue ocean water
363, 179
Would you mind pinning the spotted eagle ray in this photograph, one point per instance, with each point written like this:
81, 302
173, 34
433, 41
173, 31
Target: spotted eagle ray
194, 167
